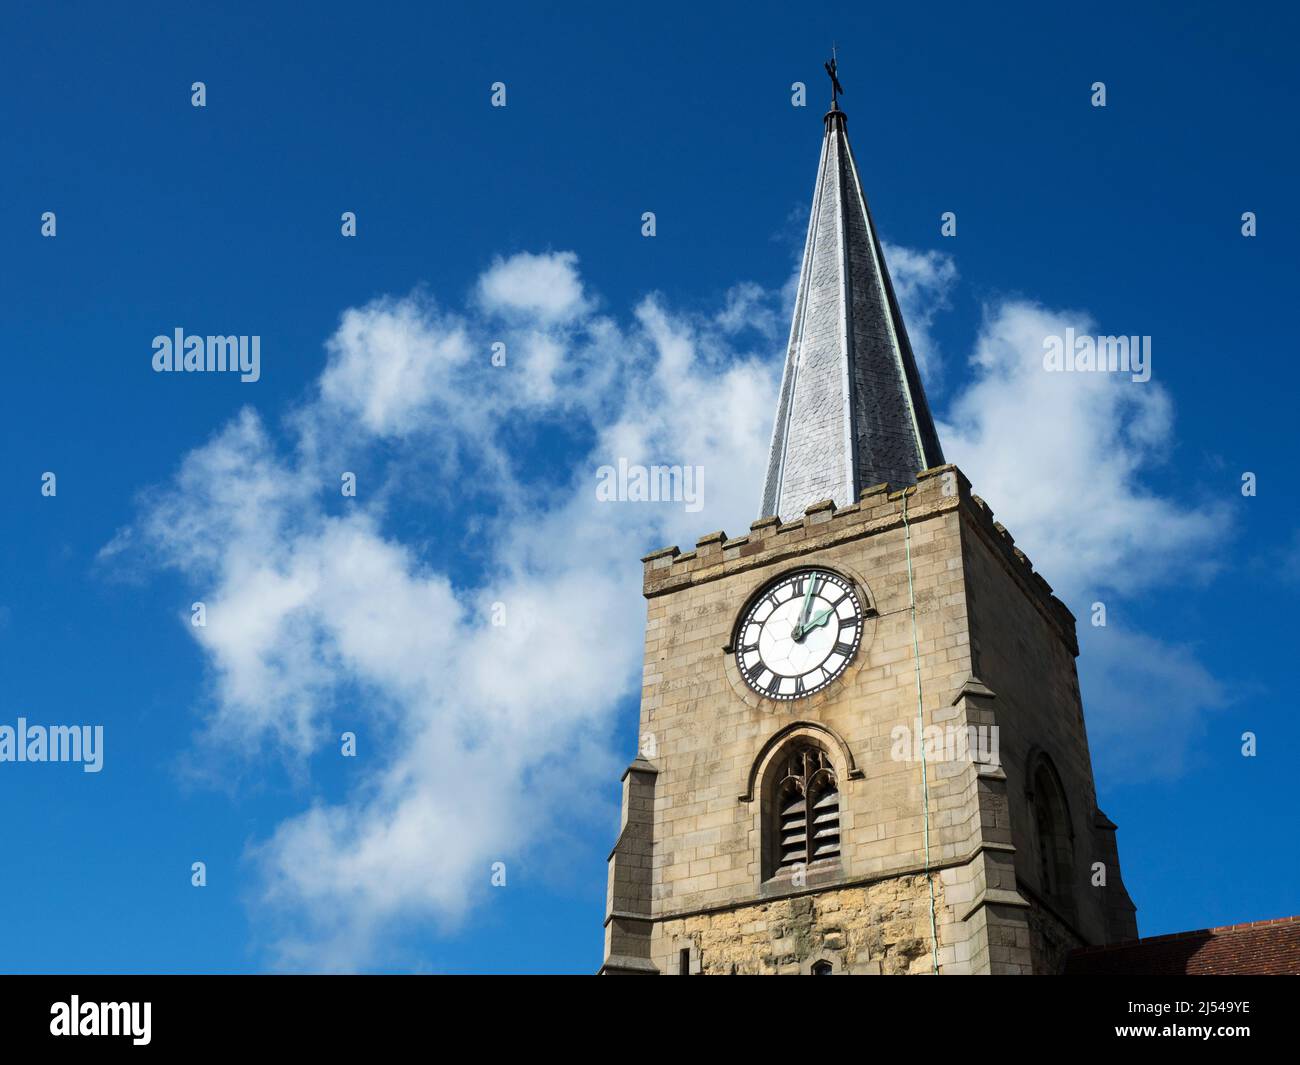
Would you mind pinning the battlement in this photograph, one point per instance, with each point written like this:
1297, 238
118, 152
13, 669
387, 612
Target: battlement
938, 490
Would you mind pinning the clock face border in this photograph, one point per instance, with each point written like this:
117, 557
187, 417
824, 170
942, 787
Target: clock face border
735, 650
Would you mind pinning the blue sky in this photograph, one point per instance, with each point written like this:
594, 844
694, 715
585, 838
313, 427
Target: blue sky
522, 224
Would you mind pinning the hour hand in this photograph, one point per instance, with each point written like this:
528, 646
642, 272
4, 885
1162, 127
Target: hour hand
818, 621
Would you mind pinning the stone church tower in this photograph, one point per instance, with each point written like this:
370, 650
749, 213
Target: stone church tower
862, 741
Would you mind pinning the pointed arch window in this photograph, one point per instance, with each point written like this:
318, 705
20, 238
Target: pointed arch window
806, 810
1052, 831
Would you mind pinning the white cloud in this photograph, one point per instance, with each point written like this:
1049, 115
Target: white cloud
545, 287
750, 306
390, 362
922, 283
1061, 458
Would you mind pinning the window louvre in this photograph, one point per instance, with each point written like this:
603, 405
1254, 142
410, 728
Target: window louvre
808, 809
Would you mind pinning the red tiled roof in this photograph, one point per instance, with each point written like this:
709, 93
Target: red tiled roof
1269, 948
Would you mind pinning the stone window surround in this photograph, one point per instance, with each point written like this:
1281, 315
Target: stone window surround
1061, 897
762, 784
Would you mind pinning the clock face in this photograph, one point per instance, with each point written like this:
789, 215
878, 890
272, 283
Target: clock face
799, 634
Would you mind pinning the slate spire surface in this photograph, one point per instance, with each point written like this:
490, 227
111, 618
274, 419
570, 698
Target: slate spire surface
852, 412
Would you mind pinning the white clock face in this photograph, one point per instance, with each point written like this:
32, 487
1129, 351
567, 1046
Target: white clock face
799, 634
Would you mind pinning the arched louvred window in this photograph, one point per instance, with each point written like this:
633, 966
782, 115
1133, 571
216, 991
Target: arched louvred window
807, 809
1052, 828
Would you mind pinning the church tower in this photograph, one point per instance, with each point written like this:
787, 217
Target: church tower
862, 745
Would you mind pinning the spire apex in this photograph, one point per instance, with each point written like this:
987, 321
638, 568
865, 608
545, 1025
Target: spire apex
852, 412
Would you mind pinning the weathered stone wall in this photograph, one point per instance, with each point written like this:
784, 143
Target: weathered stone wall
882, 928
1050, 941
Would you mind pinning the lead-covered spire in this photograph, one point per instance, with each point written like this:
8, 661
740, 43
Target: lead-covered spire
852, 412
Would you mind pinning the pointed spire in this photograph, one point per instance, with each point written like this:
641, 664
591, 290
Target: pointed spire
852, 412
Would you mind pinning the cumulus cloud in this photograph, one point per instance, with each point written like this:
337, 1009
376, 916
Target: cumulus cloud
922, 283
751, 306
1063, 458
546, 287
391, 362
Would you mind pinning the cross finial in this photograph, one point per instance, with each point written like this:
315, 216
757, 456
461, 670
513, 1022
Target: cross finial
836, 87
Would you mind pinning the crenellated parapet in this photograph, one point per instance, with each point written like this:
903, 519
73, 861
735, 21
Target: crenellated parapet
938, 491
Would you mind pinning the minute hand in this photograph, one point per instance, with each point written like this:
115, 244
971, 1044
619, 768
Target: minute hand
800, 626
